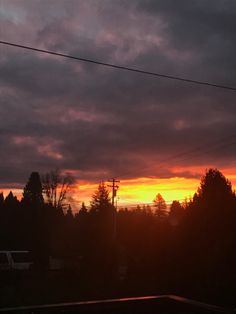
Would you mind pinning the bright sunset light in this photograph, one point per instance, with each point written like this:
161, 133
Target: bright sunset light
117, 150
143, 190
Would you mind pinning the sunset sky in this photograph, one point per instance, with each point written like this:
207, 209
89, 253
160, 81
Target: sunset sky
153, 134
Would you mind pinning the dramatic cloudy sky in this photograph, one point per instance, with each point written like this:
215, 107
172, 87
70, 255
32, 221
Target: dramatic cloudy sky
98, 122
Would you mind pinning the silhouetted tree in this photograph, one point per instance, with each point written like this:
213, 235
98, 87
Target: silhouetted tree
147, 209
2, 215
215, 190
160, 205
102, 213
1, 200
56, 187
102, 232
208, 234
186, 202
214, 201
9, 220
10, 201
33, 190
83, 234
195, 256
69, 214
101, 202
37, 220
71, 249
176, 213
83, 209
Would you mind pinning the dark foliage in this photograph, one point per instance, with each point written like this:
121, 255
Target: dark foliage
186, 250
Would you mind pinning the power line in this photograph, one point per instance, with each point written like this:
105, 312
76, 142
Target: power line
215, 145
220, 143
198, 150
119, 67
211, 150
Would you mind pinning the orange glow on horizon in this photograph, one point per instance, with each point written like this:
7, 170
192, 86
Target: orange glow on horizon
142, 190
138, 191
16, 192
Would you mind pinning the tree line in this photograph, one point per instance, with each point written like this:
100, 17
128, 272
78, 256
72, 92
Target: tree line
188, 249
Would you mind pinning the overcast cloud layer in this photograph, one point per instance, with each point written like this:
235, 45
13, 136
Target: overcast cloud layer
100, 122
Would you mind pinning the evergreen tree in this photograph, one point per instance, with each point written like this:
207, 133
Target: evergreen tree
69, 214
215, 190
33, 191
101, 202
138, 209
208, 232
1, 200
82, 212
176, 213
160, 205
36, 219
214, 201
83, 209
11, 201
10, 221
102, 232
2, 213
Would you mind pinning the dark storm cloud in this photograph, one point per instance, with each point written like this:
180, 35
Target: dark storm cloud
77, 116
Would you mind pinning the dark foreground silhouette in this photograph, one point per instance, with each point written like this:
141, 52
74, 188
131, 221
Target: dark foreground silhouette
188, 251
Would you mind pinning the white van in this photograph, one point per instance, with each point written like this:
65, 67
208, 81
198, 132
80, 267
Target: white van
15, 260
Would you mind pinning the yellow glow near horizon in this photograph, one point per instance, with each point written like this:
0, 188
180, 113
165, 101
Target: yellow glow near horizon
141, 190
144, 190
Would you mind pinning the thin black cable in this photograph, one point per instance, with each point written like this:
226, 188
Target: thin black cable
111, 65
196, 151
210, 150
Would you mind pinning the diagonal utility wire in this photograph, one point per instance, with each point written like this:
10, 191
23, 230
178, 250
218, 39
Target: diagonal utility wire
119, 67
190, 154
